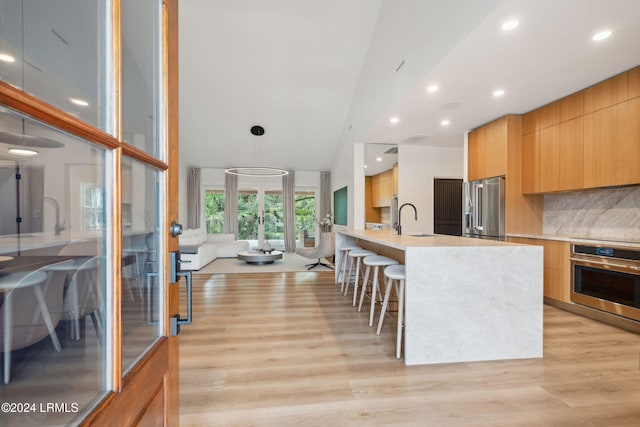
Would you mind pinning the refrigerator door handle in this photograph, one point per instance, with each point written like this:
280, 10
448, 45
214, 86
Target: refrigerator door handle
478, 206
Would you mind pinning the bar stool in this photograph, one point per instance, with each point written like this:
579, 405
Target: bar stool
342, 265
131, 271
356, 255
395, 274
374, 261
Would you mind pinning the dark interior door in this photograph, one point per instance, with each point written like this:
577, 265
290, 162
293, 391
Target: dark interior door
447, 206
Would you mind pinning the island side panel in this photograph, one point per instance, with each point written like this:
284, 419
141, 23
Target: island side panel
473, 303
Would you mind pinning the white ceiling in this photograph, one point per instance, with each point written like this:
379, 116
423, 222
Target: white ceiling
319, 73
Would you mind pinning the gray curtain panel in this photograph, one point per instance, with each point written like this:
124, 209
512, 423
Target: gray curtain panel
289, 199
193, 198
231, 204
325, 194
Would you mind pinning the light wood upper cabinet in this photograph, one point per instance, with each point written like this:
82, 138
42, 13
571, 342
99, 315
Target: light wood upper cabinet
549, 115
375, 189
572, 106
371, 214
599, 140
530, 122
549, 166
395, 179
475, 153
487, 150
496, 149
611, 153
541, 118
386, 188
634, 83
531, 163
382, 189
571, 155
628, 149
606, 94
552, 159
588, 139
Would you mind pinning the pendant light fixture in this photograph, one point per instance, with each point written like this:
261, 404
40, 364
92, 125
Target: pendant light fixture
256, 171
24, 144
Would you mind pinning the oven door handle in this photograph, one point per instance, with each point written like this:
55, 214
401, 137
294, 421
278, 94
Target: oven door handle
622, 267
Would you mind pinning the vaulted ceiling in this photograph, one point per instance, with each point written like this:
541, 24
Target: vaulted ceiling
318, 73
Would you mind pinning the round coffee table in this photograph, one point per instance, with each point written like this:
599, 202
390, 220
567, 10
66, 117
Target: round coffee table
259, 257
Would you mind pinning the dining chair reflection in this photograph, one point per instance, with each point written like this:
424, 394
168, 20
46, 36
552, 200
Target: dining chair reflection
83, 297
31, 308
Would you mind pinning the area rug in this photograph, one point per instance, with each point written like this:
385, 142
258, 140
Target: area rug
290, 262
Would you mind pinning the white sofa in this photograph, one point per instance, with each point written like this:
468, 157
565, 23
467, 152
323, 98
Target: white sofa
198, 249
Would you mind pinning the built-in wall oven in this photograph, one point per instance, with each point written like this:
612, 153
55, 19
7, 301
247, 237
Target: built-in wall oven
607, 278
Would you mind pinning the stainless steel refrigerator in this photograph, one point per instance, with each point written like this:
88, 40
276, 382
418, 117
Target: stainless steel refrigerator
484, 208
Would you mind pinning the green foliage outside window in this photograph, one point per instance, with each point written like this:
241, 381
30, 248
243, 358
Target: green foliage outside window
305, 211
214, 212
247, 216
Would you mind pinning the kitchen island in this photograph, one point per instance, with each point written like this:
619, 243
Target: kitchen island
465, 299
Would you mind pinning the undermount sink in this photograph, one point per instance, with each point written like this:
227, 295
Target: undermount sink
420, 235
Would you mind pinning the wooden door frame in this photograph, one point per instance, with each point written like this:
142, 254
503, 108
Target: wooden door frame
149, 393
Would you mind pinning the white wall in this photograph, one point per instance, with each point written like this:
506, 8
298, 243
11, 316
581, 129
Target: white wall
417, 168
348, 170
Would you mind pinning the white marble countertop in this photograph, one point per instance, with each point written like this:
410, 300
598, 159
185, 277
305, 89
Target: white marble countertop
580, 240
392, 239
465, 299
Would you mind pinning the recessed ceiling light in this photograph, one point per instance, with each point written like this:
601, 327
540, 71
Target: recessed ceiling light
445, 122
7, 58
79, 102
365, 166
601, 35
378, 159
22, 152
394, 120
510, 24
432, 88
498, 92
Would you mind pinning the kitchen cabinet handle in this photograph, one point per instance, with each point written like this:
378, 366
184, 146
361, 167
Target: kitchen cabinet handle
479, 190
607, 264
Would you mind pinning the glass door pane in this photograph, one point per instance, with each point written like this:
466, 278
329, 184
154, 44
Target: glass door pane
305, 218
140, 74
274, 219
54, 316
141, 284
54, 50
248, 215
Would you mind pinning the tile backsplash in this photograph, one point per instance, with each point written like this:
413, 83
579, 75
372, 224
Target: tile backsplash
607, 214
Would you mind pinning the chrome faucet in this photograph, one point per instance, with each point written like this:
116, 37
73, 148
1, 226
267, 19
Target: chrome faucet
57, 227
400, 215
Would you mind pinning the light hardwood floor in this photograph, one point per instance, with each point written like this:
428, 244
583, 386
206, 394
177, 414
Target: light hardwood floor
289, 349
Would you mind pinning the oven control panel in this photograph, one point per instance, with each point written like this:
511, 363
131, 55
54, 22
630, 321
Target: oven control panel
604, 251
607, 252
